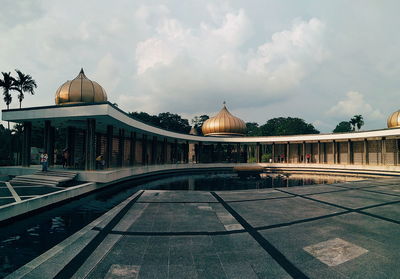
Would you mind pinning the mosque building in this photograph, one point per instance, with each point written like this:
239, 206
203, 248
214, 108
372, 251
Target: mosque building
88, 126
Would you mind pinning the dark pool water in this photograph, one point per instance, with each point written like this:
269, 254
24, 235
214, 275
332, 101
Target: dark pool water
25, 239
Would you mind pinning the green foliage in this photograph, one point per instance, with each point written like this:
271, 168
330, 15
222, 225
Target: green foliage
146, 118
7, 84
343, 127
287, 126
165, 120
265, 157
198, 122
174, 122
6, 140
24, 84
253, 129
252, 160
357, 121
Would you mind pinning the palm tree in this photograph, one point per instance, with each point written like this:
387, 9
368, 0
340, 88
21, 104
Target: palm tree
357, 121
24, 83
7, 83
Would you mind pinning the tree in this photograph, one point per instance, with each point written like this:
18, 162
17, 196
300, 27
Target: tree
287, 126
343, 127
357, 121
174, 122
24, 84
146, 118
198, 122
165, 120
8, 84
253, 129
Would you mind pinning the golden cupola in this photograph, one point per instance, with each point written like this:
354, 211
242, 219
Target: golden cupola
80, 90
224, 124
394, 120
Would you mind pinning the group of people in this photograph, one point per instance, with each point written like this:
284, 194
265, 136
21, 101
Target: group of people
44, 160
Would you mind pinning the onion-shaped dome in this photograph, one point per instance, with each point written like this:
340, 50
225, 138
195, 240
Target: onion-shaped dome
80, 90
224, 124
394, 120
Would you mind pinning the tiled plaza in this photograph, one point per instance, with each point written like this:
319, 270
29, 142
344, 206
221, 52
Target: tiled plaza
346, 230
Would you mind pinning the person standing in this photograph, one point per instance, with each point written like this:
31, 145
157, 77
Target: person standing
65, 157
44, 158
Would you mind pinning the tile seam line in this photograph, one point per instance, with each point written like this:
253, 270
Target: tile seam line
356, 210
280, 259
13, 192
78, 260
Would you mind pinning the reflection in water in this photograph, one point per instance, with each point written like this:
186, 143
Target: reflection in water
22, 241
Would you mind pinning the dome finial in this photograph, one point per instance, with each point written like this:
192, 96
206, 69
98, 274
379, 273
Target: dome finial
224, 103
82, 72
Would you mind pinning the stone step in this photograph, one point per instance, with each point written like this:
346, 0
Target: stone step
49, 178
26, 182
44, 177
58, 173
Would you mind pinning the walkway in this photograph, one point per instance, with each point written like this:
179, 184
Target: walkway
347, 230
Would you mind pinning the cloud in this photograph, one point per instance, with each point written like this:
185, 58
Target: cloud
353, 104
191, 68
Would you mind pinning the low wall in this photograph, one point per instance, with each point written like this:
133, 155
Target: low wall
18, 208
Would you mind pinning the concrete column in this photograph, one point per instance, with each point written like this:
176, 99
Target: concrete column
334, 151
311, 152
48, 144
175, 152
70, 144
273, 152
26, 144
199, 151
52, 145
164, 151
109, 144
154, 151
238, 153
121, 147
319, 152
365, 154
304, 152
132, 149
287, 152
186, 152
383, 150
90, 154
349, 152
144, 149
46, 136
258, 152
245, 153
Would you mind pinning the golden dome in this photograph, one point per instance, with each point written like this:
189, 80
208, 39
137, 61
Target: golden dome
224, 124
80, 90
394, 120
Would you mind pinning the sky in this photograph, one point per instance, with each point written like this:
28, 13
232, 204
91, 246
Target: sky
322, 61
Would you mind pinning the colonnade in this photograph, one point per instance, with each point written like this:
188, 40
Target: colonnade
122, 147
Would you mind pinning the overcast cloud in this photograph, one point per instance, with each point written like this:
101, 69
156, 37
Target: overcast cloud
323, 61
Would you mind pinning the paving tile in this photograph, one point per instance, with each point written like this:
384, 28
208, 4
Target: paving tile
377, 236
118, 271
335, 251
354, 198
153, 271
271, 212
182, 272
391, 211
